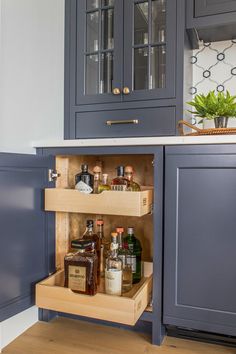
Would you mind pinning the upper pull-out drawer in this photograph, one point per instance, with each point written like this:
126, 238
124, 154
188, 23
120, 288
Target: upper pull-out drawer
126, 123
127, 309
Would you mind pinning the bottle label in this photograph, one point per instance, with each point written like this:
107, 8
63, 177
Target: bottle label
83, 187
119, 188
131, 260
113, 282
77, 278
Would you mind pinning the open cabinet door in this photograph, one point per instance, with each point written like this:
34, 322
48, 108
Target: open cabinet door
26, 231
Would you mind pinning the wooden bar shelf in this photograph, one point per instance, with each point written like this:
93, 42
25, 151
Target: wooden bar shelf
126, 309
106, 203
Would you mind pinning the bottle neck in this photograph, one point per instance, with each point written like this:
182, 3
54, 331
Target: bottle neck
129, 176
104, 180
120, 239
88, 230
97, 176
100, 231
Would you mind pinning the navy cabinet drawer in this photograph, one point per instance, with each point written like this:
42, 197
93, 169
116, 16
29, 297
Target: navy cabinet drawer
126, 123
213, 7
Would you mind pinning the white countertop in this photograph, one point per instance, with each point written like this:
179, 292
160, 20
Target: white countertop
168, 140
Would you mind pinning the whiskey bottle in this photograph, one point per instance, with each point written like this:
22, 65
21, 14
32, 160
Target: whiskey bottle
104, 186
132, 186
90, 235
84, 181
113, 271
125, 255
81, 269
120, 183
97, 179
135, 248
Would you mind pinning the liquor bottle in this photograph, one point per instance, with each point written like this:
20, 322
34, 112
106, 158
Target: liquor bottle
90, 235
135, 248
125, 255
81, 269
104, 186
97, 179
84, 181
132, 186
113, 271
103, 245
120, 183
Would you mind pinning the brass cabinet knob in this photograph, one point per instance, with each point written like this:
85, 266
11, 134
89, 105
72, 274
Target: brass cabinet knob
116, 91
126, 91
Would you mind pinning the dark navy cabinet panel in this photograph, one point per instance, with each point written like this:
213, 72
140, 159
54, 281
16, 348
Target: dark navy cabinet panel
136, 122
213, 7
200, 243
27, 238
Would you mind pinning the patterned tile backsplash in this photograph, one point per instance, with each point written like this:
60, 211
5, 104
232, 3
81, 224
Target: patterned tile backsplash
214, 68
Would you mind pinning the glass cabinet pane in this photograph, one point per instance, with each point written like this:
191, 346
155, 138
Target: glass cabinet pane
141, 68
92, 31
158, 21
106, 73
92, 4
108, 29
141, 23
108, 2
92, 74
157, 67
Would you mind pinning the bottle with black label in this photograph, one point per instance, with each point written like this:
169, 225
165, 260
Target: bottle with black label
135, 248
84, 181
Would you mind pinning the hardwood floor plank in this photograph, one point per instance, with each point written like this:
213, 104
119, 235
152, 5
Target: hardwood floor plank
66, 336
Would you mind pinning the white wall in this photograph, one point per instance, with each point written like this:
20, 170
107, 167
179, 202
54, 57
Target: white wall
31, 73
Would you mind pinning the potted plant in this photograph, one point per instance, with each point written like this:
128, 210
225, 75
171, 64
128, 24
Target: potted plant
218, 106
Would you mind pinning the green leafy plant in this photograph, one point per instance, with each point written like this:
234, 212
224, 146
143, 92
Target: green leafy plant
213, 105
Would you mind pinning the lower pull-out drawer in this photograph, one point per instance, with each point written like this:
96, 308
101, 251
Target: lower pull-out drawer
126, 309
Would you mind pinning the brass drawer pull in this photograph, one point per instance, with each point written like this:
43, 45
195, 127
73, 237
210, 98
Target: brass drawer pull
114, 122
116, 91
126, 91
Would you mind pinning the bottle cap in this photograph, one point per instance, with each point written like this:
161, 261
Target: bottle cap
129, 169
120, 170
119, 229
130, 230
84, 167
114, 237
97, 169
89, 223
100, 222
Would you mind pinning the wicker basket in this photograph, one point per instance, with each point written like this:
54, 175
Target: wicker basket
198, 131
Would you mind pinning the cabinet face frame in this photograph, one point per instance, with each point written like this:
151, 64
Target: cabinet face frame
158, 330
203, 8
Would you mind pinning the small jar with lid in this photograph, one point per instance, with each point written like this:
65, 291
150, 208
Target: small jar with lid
81, 269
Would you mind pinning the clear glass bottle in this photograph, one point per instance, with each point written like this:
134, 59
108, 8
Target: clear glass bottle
81, 269
84, 180
90, 235
97, 179
119, 183
104, 186
132, 186
125, 255
113, 271
104, 246
135, 248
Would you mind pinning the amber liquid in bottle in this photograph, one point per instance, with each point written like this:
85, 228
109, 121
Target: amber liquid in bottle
120, 183
81, 269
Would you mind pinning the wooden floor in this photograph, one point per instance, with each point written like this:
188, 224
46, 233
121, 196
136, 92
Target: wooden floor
65, 336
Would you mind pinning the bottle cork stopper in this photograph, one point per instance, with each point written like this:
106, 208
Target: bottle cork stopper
129, 169
97, 169
119, 229
100, 222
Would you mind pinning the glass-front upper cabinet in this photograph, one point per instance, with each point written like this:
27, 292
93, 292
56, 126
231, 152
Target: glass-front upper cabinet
149, 49
125, 50
99, 50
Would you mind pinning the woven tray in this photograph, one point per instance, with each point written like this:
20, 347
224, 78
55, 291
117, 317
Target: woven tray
198, 131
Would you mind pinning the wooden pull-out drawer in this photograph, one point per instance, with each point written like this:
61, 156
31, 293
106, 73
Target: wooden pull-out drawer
126, 309
106, 203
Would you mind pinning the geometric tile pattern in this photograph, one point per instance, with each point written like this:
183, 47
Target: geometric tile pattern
221, 60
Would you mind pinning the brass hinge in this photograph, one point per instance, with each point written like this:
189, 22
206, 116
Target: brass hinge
53, 175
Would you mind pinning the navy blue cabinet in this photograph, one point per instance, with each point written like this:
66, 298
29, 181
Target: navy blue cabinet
212, 20
121, 56
200, 242
27, 232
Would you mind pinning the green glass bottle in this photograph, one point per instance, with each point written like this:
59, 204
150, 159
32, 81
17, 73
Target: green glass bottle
135, 248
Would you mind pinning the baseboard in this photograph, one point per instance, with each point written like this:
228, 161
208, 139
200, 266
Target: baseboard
11, 328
